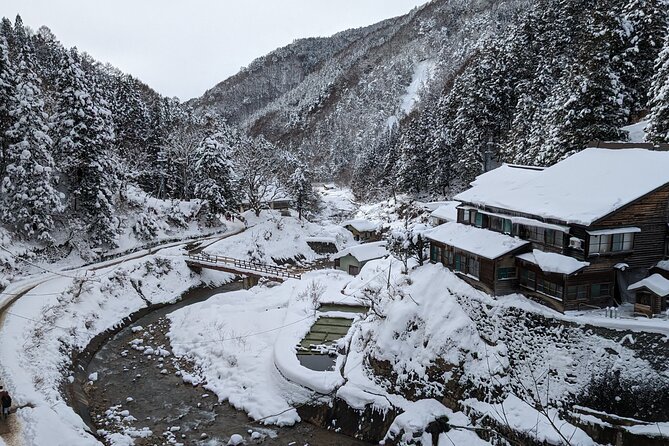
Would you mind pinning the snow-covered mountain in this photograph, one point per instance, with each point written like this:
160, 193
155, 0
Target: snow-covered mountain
453, 85
333, 97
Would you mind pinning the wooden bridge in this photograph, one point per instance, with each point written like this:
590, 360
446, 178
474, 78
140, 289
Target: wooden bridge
243, 267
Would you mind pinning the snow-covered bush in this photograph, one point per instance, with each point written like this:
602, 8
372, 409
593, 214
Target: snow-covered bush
146, 227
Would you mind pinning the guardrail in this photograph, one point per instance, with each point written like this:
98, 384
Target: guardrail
230, 262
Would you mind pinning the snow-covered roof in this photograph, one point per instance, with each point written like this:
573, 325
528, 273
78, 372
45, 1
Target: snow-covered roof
507, 176
580, 189
482, 242
663, 264
364, 252
551, 262
655, 283
361, 225
447, 211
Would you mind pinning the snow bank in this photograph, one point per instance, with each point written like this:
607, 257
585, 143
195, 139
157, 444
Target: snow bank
271, 238
522, 417
64, 313
244, 344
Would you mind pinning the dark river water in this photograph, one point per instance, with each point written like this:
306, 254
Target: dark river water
162, 409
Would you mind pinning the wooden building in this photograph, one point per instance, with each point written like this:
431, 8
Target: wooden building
585, 223
651, 294
363, 230
352, 259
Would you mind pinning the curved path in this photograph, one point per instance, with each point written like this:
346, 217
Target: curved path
10, 430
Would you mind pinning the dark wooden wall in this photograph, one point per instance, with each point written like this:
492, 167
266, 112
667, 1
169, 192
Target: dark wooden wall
649, 213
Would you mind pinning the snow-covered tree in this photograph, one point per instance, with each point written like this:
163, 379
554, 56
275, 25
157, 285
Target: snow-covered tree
256, 165
29, 198
6, 90
85, 147
658, 127
215, 178
408, 240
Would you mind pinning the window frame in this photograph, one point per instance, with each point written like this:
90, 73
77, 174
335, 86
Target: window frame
602, 244
501, 269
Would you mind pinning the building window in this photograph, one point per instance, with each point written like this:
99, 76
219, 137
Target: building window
528, 278
533, 233
478, 220
508, 226
598, 290
473, 266
504, 273
460, 262
435, 253
496, 224
447, 257
601, 244
575, 292
553, 237
465, 215
622, 242
550, 288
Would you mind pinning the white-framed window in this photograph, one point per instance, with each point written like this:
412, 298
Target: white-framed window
602, 244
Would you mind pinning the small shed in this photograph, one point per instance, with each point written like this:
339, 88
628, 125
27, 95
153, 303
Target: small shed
651, 294
363, 230
352, 259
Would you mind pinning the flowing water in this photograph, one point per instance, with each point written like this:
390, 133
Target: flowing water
164, 409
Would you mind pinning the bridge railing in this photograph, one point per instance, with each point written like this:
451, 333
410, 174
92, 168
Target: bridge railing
276, 271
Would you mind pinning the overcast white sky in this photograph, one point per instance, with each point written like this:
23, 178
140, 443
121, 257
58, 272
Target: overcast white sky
183, 47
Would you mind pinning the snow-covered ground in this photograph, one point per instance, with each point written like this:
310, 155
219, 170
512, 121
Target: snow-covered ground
273, 238
432, 332
62, 311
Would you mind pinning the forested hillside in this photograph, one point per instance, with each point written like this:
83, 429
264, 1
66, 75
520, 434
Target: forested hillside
84, 149
419, 102
569, 72
331, 107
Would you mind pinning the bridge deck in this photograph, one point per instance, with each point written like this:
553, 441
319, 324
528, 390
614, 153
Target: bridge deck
238, 266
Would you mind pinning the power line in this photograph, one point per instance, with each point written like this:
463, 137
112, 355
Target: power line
242, 336
35, 265
36, 321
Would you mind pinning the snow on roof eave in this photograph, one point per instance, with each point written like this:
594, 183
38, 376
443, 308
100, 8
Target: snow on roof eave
612, 231
663, 264
364, 252
654, 283
361, 225
550, 262
481, 242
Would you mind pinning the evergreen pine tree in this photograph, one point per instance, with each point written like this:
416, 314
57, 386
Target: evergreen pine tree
215, 181
658, 126
85, 150
29, 198
6, 89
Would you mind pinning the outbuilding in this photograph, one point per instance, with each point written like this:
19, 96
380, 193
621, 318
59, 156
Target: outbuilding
651, 294
352, 259
363, 230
